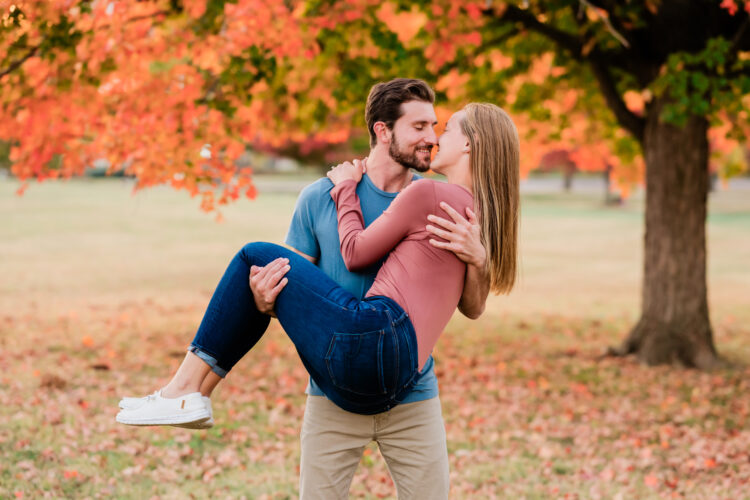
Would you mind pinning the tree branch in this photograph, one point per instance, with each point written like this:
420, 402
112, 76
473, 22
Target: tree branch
565, 40
493, 42
732, 74
600, 64
485, 45
529, 21
17, 64
629, 120
603, 4
33, 50
738, 37
134, 19
607, 23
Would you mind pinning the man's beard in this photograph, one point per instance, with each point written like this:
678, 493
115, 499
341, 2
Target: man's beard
407, 159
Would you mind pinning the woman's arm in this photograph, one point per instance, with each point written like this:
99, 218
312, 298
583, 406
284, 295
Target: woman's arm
362, 247
461, 236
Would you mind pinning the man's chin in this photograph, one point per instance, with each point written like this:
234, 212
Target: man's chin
416, 164
412, 162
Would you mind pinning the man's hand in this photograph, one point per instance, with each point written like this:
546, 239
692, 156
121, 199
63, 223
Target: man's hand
266, 282
463, 239
346, 171
462, 235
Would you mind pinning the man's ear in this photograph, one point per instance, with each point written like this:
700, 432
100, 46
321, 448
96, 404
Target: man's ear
382, 132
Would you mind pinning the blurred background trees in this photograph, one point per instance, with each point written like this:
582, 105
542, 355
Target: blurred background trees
173, 92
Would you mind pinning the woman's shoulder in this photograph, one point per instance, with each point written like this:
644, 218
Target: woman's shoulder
446, 189
426, 194
432, 187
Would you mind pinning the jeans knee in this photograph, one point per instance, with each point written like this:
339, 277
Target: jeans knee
251, 251
260, 253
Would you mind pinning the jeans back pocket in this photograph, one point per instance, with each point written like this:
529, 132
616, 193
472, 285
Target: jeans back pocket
355, 362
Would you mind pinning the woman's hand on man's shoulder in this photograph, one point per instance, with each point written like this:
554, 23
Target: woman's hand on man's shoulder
347, 171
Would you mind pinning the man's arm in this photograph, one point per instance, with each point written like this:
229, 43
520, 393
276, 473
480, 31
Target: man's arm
267, 282
463, 239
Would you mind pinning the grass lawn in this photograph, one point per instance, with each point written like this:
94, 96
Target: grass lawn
101, 291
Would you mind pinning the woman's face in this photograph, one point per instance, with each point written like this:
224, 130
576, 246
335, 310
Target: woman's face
452, 143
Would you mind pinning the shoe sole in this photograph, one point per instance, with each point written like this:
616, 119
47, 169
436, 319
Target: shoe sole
193, 417
206, 424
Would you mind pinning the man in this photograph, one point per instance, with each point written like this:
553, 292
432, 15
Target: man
401, 119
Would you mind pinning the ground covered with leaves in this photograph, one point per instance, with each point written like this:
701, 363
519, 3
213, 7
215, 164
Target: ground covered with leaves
99, 304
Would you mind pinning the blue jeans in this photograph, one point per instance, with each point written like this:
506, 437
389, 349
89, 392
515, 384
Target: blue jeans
362, 353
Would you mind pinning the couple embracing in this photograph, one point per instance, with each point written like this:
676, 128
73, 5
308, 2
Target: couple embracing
380, 258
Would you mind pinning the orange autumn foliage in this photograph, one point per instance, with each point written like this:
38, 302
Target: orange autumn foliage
139, 87
173, 95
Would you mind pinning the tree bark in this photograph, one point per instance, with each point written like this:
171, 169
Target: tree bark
567, 179
674, 326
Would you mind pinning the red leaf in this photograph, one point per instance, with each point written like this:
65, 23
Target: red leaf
730, 5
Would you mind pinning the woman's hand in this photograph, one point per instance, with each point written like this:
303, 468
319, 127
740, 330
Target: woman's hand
346, 171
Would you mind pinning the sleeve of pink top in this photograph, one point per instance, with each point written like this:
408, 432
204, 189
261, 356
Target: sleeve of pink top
362, 247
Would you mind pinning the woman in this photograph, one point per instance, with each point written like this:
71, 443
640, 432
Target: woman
365, 355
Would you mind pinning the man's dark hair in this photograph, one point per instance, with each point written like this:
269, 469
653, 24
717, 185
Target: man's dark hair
385, 100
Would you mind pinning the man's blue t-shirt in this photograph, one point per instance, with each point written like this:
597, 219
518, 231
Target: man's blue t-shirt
314, 232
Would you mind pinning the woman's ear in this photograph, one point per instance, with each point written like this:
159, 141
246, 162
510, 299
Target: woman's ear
382, 132
466, 148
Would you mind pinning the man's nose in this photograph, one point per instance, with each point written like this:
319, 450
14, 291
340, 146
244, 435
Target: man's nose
431, 137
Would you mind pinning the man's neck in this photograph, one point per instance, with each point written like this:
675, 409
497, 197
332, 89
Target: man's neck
385, 173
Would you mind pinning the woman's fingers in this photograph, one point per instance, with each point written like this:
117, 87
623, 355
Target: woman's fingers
358, 171
345, 171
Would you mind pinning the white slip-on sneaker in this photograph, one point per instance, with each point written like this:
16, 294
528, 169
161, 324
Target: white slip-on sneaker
128, 403
206, 424
158, 410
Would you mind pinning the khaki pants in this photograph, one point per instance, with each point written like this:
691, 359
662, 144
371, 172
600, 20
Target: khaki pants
411, 438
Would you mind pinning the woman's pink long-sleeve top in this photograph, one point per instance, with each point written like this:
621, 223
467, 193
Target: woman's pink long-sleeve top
427, 282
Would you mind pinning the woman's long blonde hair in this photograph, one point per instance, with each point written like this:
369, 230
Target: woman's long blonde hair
495, 152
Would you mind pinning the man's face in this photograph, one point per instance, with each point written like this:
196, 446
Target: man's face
413, 136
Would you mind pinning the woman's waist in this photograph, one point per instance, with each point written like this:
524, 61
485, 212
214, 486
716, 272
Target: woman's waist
396, 311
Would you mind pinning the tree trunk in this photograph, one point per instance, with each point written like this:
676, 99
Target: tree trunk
674, 326
567, 178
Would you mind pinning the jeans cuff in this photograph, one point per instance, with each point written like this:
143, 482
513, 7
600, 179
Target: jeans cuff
209, 360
